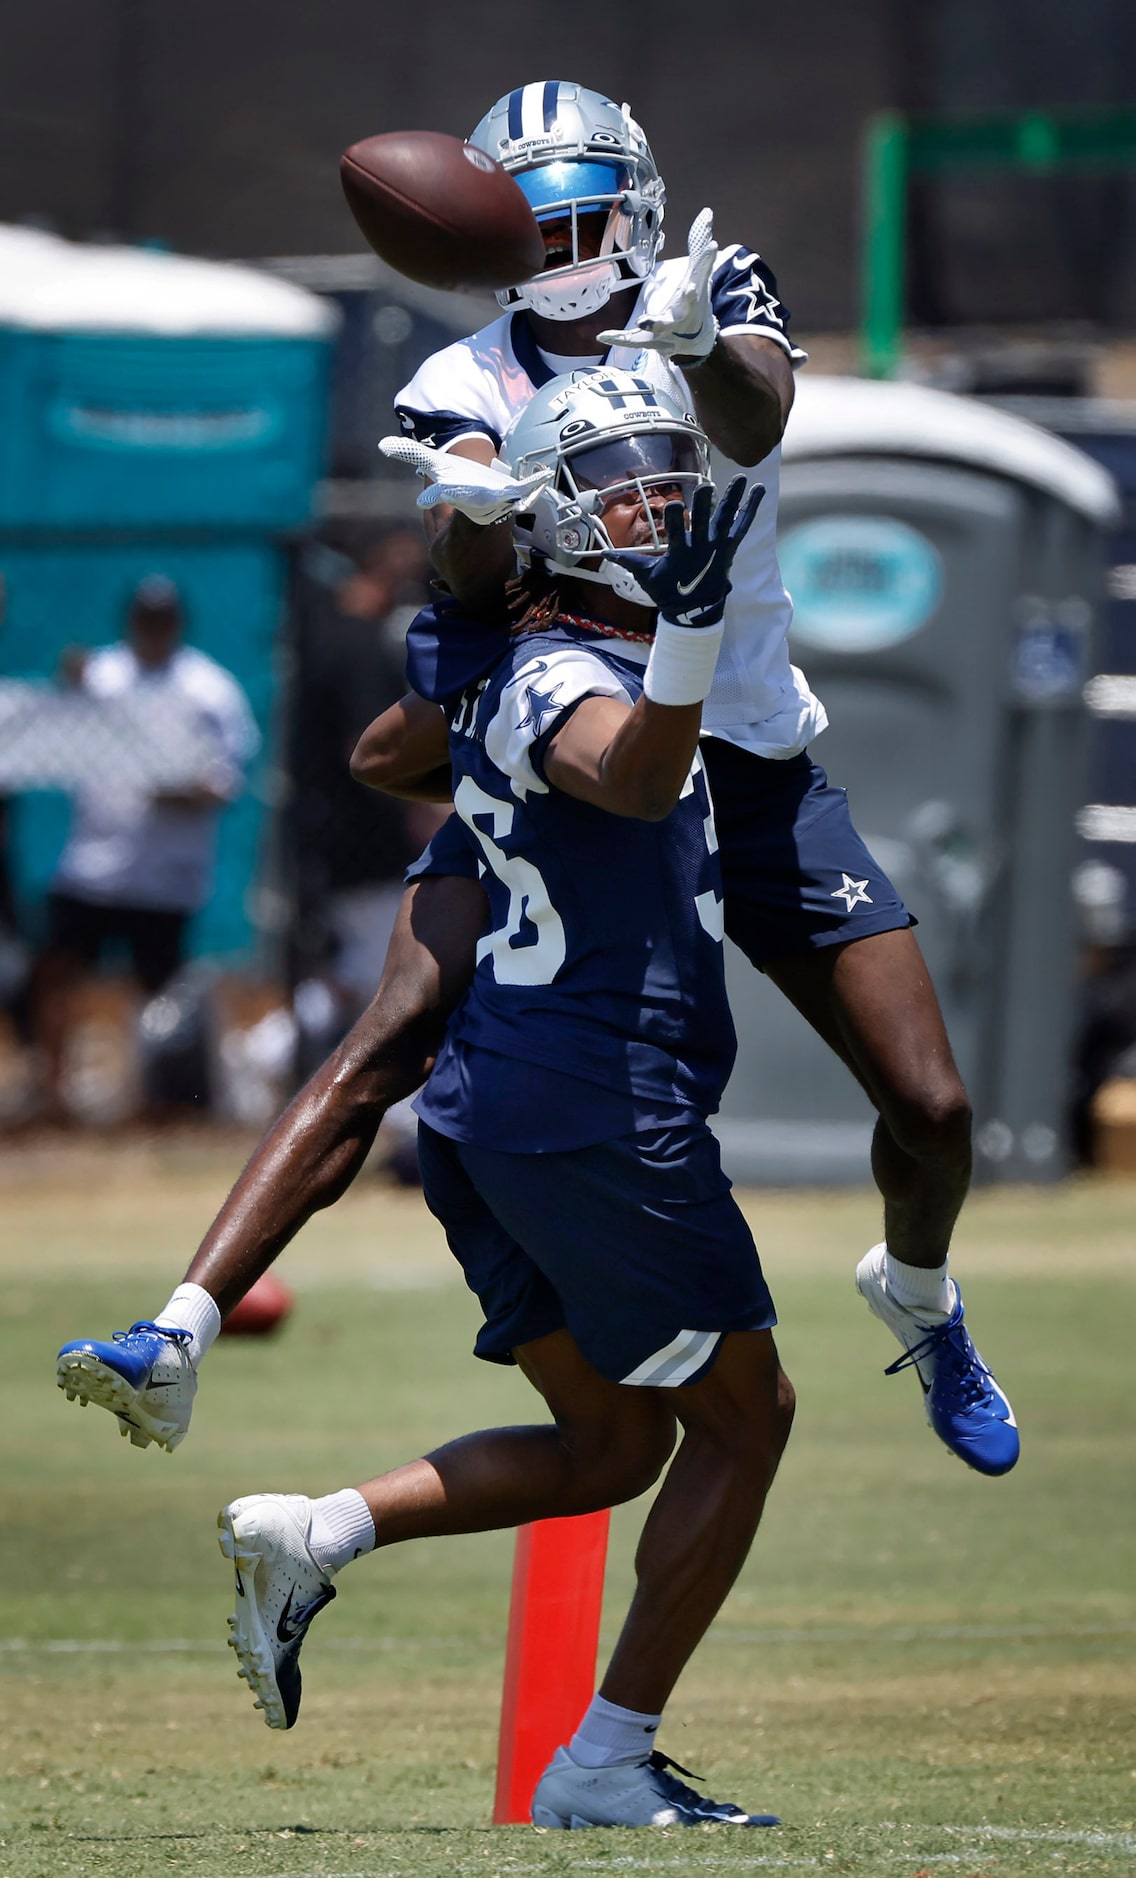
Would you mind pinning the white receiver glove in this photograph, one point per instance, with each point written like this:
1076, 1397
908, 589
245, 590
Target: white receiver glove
482, 491
686, 327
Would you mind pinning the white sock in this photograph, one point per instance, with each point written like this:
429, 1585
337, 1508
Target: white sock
609, 1734
925, 1289
191, 1308
341, 1529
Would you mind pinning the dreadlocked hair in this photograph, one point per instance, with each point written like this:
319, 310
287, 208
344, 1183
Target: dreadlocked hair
533, 600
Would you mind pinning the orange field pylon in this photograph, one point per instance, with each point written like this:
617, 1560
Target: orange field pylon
550, 1658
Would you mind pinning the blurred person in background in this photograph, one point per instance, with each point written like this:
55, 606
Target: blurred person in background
11, 944
347, 847
136, 868
13, 952
1104, 1048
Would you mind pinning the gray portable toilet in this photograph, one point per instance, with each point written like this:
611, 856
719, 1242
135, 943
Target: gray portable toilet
945, 565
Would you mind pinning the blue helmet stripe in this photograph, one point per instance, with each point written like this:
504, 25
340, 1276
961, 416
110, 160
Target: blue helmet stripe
515, 98
551, 94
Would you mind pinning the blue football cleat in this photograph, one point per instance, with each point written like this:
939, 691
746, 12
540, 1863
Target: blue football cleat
143, 1376
964, 1404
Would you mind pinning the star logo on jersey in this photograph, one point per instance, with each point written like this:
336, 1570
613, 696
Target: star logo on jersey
852, 892
541, 704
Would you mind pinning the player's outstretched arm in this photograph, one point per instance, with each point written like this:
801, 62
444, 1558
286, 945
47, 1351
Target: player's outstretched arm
405, 752
629, 760
743, 393
742, 384
460, 509
635, 760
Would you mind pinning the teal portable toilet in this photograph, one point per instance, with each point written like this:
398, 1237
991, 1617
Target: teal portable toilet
158, 414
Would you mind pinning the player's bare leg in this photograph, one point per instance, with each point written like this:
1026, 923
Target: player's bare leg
873, 1001
313, 1152
147, 1377
606, 1445
735, 1424
609, 1443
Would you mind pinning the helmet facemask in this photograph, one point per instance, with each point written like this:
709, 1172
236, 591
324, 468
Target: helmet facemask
566, 527
576, 154
598, 229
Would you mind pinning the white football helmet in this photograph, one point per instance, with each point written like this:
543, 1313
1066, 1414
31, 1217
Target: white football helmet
600, 432
589, 175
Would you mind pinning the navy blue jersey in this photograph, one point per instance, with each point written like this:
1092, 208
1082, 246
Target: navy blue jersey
603, 962
448, 648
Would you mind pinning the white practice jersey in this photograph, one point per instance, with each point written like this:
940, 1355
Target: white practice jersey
475, 388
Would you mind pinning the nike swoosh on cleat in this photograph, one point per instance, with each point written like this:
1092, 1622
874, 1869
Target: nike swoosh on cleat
289, 1631
284, 1630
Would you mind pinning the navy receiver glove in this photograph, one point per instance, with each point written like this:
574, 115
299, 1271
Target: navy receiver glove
689, 583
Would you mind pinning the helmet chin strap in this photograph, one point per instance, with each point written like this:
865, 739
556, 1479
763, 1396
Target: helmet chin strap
607, 574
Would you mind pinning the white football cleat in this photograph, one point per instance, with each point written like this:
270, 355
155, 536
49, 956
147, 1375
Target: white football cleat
634, 1793
280, 1589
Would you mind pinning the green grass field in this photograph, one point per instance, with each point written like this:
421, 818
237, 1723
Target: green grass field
924, 1672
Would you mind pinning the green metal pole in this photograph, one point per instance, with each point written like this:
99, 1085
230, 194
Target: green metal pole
883, 258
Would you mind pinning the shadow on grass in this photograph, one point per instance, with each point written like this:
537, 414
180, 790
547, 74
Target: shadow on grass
299, 1831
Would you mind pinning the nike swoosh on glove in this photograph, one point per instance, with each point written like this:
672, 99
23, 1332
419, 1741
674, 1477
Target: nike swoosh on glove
686, 327
481, 491
690, 582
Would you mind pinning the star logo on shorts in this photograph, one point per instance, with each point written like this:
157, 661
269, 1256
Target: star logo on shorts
852, 892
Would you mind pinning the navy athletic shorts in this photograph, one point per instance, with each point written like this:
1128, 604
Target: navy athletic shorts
452, 850
796, 875
637, 1246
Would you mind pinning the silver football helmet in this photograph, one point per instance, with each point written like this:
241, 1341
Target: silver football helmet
600, 432
589, 175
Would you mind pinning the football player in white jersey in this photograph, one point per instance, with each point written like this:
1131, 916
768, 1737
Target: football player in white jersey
710, 326
711, 330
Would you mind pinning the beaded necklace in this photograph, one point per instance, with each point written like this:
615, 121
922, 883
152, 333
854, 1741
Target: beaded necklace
600, 626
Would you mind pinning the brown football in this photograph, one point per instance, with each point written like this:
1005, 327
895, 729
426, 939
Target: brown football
441, 211
261, 1311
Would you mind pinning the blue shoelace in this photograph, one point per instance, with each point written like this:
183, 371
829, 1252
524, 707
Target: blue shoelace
161, 1330
965, 1379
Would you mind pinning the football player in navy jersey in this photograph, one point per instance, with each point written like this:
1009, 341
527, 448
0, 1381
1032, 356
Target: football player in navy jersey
563, 1131
711, 330
708, 329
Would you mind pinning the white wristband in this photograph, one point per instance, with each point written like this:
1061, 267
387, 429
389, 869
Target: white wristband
680, 669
